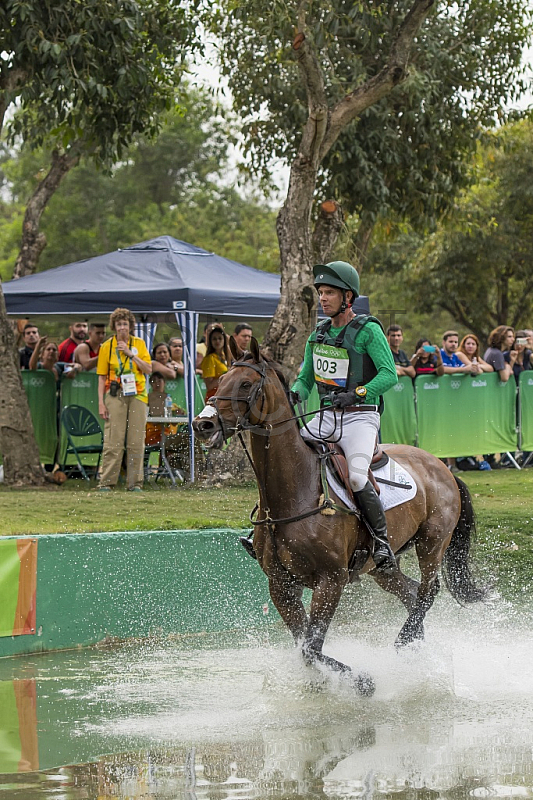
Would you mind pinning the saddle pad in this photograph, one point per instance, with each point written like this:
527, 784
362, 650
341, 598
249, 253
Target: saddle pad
390, 496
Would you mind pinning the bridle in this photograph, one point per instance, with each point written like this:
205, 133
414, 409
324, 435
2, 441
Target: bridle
256, 391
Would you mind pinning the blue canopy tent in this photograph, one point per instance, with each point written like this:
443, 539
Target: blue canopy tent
156, 277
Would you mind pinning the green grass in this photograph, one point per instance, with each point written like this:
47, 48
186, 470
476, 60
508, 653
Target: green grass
76, 508
503, 500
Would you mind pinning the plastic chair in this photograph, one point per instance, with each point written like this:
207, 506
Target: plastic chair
79, 423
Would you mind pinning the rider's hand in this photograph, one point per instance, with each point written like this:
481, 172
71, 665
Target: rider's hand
294, 398
343, 399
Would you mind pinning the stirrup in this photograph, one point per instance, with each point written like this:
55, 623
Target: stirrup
248, 546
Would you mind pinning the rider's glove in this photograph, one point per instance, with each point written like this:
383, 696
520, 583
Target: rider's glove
294, 398
352, 398
342, 399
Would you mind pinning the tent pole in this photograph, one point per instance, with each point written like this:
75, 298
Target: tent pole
188, 322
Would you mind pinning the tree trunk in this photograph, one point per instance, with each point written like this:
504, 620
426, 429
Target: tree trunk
360, 244
296, 312
19, 449
33, 240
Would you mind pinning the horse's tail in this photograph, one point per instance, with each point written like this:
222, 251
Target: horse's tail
456, 567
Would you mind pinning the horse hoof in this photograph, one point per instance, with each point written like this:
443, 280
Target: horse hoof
365, 684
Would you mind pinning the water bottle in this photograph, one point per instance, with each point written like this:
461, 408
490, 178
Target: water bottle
168, 406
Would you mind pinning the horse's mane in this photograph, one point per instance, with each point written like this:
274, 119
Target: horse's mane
272, 364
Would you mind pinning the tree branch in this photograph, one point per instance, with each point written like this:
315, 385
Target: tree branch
313, 81
9, 80
361, 241
393, 73
33, 240
326, 231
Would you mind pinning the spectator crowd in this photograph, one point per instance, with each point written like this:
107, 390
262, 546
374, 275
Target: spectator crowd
132, 381
509, 353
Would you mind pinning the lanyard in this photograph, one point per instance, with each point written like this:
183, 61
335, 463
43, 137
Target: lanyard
122, 364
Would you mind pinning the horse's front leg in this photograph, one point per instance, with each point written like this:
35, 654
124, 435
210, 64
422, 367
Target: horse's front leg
326, 596
286, 594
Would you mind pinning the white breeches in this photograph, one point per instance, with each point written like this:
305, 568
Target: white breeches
359, 432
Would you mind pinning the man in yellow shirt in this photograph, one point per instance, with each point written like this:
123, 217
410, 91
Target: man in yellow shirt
123, 364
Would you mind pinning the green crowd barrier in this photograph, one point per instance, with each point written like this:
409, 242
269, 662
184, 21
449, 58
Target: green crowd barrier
80, 391
41, 391
466, 415
398, 421
526, 410
454, 415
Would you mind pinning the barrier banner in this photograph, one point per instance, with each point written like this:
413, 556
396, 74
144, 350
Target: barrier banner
176, 389
80, 391
526, 410
466, 415
398, 421
41, 391
18, 586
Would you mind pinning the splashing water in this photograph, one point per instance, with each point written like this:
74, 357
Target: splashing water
452, 715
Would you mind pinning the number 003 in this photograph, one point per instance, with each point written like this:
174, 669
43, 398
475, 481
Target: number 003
324, 366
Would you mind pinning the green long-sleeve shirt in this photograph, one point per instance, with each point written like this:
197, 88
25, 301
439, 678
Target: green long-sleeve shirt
370, 340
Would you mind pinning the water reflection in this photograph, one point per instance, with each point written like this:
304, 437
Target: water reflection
242, 717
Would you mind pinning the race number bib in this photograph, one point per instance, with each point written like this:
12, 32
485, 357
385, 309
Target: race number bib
331, 365
128, 384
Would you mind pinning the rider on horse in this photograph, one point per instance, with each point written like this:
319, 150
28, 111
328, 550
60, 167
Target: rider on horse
350, 361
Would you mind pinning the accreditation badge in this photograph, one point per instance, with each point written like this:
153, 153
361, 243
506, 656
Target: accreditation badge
331, 365
128, 384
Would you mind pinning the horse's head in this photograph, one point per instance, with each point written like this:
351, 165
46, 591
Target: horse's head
250, 395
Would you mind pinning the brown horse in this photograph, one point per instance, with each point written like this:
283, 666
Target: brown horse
299, 546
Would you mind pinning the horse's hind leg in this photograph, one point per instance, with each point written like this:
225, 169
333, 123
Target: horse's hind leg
398, 584
430, 548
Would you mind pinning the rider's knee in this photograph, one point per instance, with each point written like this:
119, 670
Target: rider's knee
358, 480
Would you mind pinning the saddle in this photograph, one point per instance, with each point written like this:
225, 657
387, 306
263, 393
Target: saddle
339, 466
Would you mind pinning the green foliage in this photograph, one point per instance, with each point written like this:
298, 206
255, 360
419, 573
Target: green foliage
407, 154
94, 72
173, 185
477, 265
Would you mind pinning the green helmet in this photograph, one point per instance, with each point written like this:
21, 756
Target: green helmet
337, 273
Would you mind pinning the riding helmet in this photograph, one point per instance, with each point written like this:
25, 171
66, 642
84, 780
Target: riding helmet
337, 273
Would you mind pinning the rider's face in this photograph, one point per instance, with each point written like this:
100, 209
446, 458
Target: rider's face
330, 299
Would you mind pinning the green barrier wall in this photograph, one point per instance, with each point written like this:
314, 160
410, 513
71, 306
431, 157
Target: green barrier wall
93, 586
464, 415
526, 410
398, 421
80, 391
41, 390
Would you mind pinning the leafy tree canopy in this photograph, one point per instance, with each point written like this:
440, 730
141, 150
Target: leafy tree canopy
408, 153
477, 265
175, 184
93, 72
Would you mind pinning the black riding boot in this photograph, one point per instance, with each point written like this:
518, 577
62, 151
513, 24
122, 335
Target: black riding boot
370, 505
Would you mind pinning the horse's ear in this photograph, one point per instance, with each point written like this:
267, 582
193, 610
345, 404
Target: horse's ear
254, 350
236, 351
